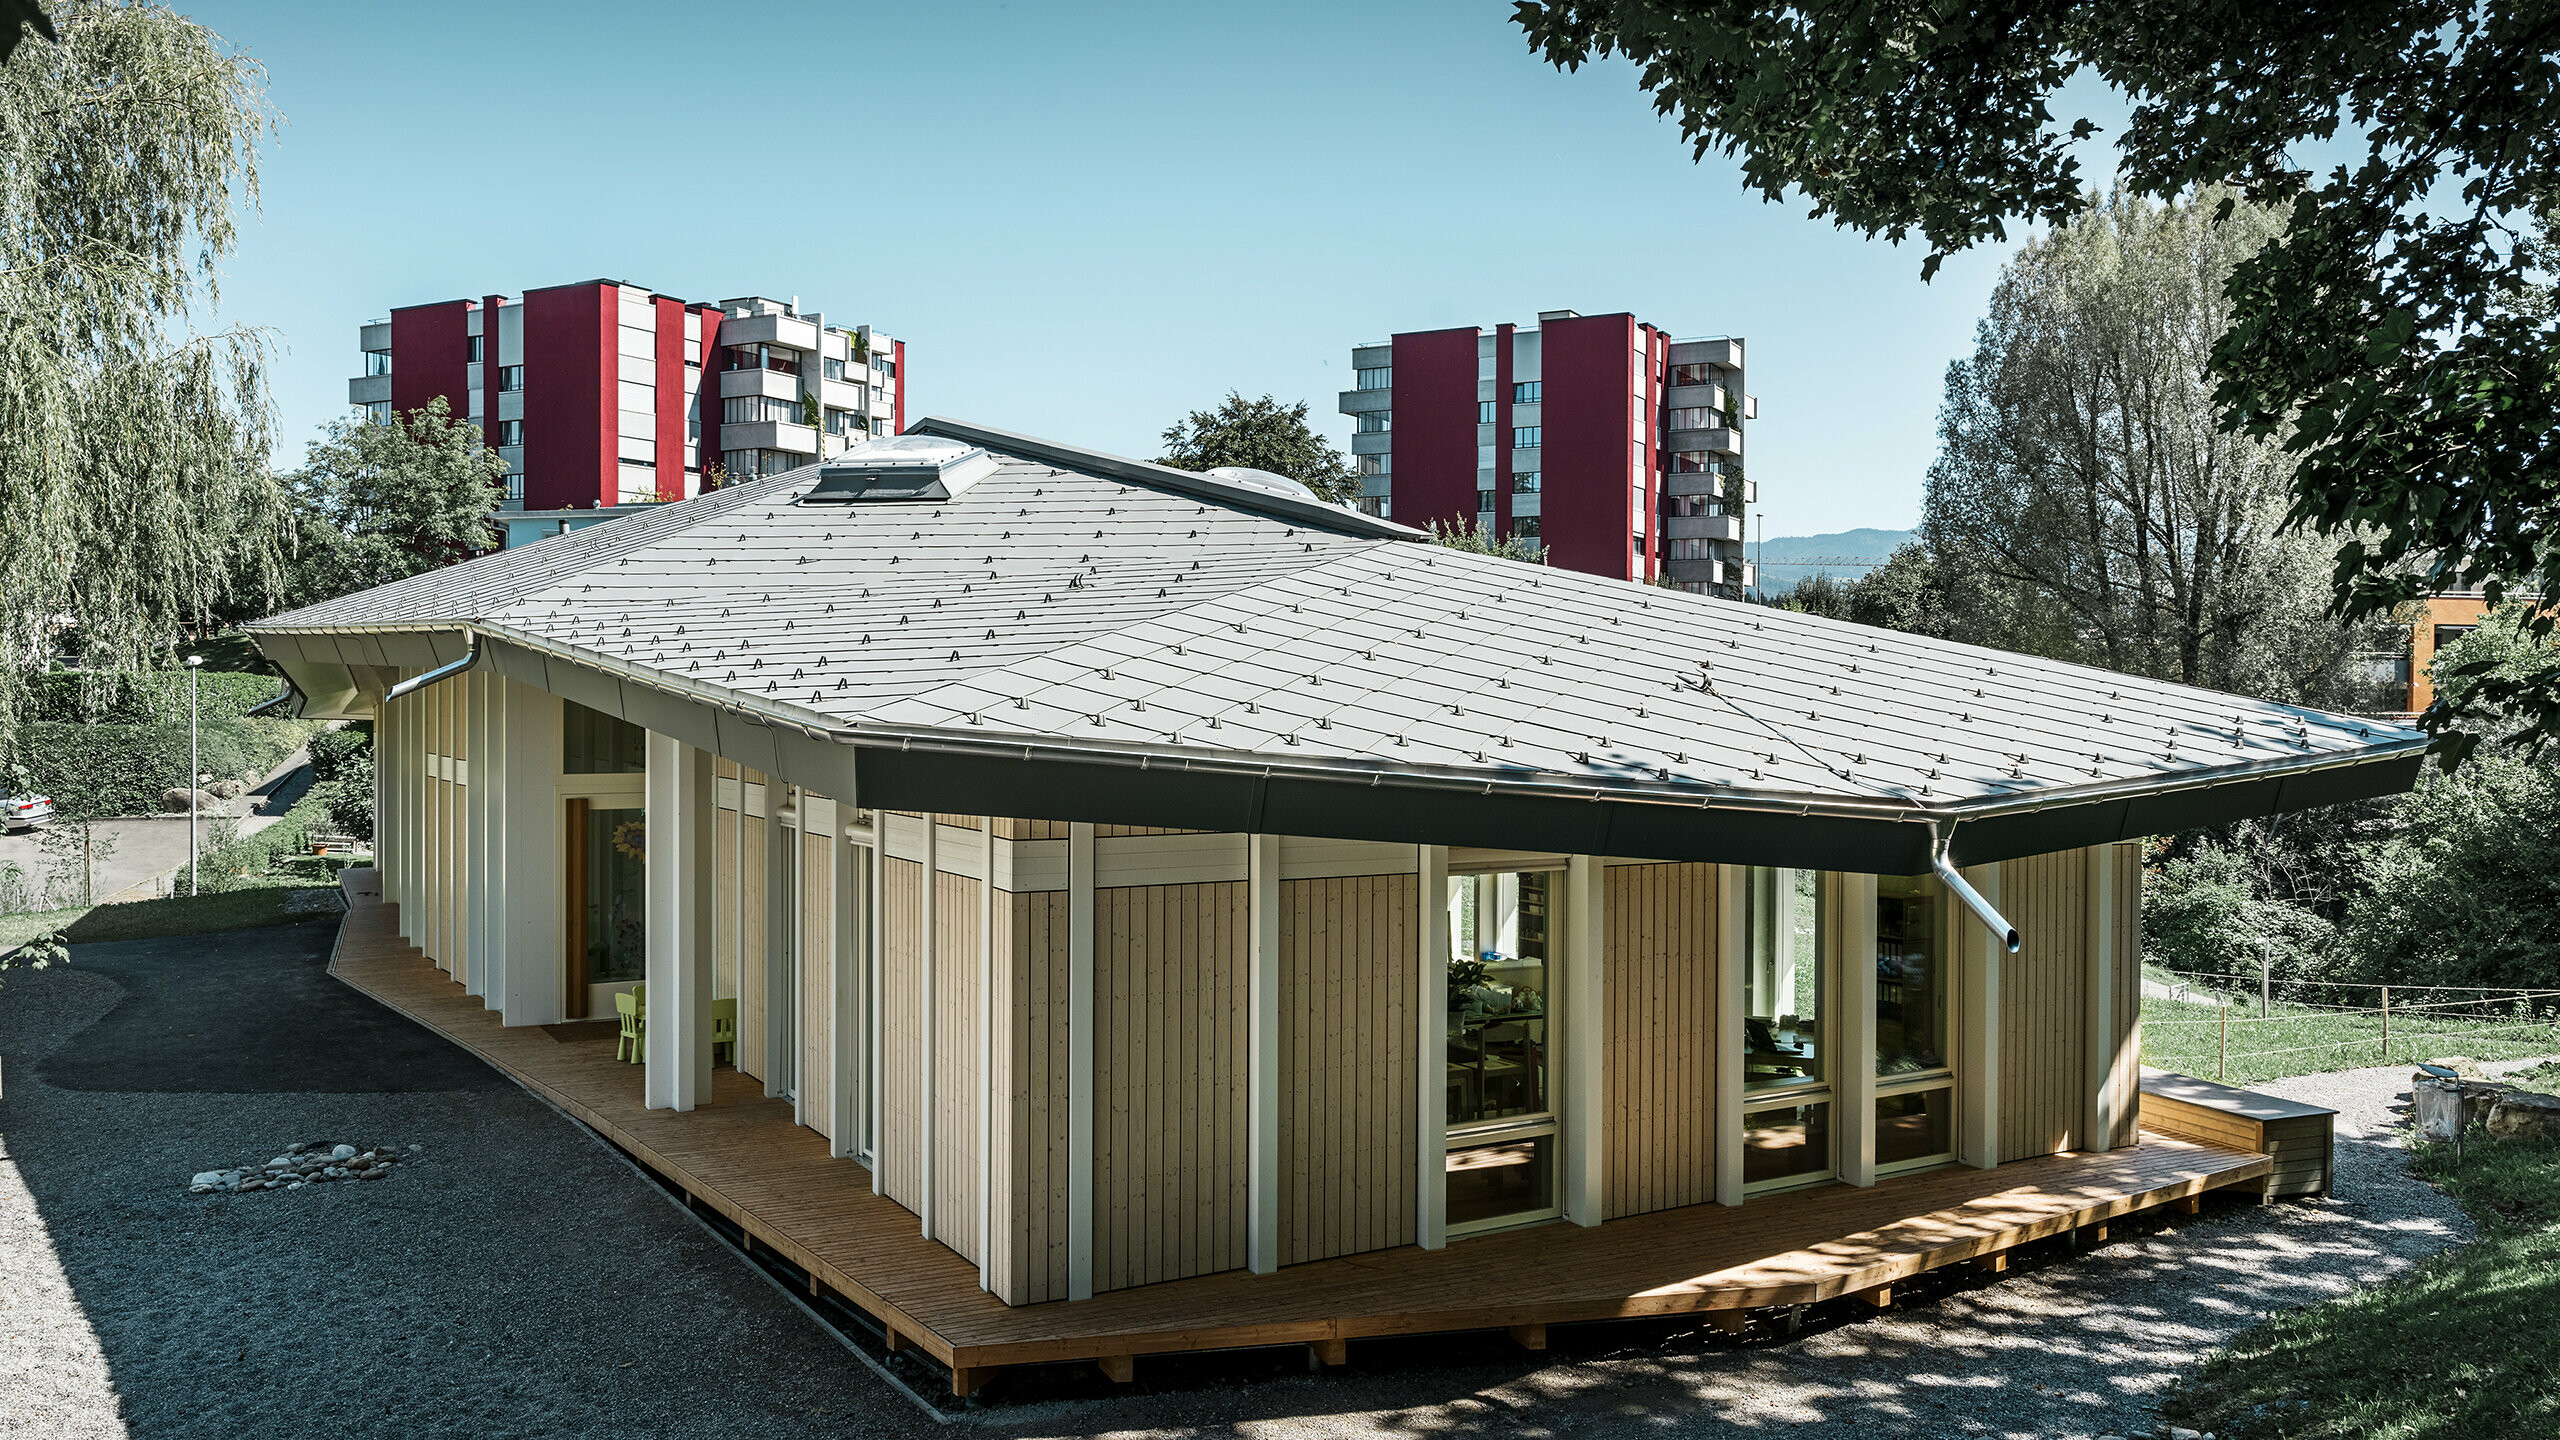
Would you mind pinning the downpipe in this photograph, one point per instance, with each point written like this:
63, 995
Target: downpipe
1992, 919
416, 683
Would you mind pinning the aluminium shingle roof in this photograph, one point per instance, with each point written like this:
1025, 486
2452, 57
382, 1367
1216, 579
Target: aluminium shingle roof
1080, 602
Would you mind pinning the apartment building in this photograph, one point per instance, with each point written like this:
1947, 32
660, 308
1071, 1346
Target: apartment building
594, 392
1602, 438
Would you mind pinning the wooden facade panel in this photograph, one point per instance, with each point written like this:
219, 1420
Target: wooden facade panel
751, 924
1169, 1082
2127, 1077
1658, 984
964, 822
957, 925
1349, 978
724, 902
817, 978
1028, 1133
901, 1043
1011, 829
2043, 990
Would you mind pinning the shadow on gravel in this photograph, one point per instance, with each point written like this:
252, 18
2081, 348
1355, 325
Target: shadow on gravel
251, 1012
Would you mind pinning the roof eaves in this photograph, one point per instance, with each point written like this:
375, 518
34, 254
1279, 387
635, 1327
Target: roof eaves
1165, 477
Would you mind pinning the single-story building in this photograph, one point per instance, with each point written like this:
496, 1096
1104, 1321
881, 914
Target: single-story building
1099, 855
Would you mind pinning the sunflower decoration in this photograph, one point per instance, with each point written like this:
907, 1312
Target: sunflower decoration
631, 837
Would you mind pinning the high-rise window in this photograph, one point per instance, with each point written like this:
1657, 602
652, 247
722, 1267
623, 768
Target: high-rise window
1377, 377
377, 362
753, 409
510, 432
1370, 464
471, 349
1527, 392
1485, 411
1525, 526
515, 485
1695, 373
377, 412
1694, 417
1692, 462
1484, 502
780, 359
1525, 437
1525, 482
510, 377
1372, 422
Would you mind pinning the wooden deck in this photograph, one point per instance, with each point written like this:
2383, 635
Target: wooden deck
742, 1156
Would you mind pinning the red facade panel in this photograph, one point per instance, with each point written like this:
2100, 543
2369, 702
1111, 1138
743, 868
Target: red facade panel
490, 362
1502, 373
1589, 412
429, 349
569, 428
1433, 391
706, 402
898, 406
669, 368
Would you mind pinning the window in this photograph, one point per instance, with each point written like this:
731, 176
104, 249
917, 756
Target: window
1694, 417
470, 349
1525, 482
831, 368
1501, 1118
1375, 377
754, 409
377, 362
1688, 550
1527, 392
1786, 1119
594, 743
1373, 422
845, 422
779, 359
1484, 502
515, 485
1692, 462
1915, 1102
1485, 412
1525, 437
510, 432
1371, 505
2447, 634
510, 377
1695, 373
1525, 526
1371, 464
377, 412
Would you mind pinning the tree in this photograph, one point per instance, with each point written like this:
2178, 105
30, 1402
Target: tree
1477, 539
1261, 435
136, 449
2386, 337
2080, 464
378, 502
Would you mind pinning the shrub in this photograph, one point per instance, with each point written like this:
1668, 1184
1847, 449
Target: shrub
333, 750
233, 865
2201, 914
93, 770
158, 697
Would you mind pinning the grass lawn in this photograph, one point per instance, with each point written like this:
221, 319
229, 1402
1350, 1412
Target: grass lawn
2469, 1345
2182, 1036
254, 902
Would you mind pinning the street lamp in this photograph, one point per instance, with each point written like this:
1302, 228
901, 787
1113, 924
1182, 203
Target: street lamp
195, 770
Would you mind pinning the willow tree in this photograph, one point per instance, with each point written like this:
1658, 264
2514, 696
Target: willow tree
2081, 464
134, 446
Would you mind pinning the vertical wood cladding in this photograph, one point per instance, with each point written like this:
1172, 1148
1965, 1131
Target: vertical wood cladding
751, 1057
1348, 1067
1658, 985
817, 977
1029, 1130
2125, 1072
1169, 1082
2042, 992
901, 1048
956, 922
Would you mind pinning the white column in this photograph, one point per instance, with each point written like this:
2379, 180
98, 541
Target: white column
1978, 1033
479, 791
844, 1017
1079, 1061
403, 763
928, 1054
1262, 1050
986, 1067
1853, 1073
781, 955
2098, 989
1582, 1122
877, 933
1734, 929
386, 792
528, 900
1431, 1097
679, 906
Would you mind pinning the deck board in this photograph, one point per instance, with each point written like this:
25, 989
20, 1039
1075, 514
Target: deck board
741, 1156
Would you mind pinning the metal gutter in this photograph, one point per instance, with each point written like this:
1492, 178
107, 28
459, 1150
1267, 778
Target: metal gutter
446, 671
1351, 770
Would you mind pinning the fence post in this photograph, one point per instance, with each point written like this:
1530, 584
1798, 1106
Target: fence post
88, 862
2222, 1042
2386, 1024
2266, 987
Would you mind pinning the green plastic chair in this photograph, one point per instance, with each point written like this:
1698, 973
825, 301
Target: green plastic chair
724, 1030
630, 1045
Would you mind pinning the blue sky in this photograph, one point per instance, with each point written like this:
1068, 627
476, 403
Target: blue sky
1085, 221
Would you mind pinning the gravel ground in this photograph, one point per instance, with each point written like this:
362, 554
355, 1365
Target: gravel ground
521, 1279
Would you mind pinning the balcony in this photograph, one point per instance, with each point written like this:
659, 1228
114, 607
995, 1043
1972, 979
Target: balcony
1703, 527
1361, 402
760, 382
1715, 440
770, 435
368, 389
788, 330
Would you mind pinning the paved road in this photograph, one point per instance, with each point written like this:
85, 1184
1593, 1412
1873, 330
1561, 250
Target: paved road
148, 852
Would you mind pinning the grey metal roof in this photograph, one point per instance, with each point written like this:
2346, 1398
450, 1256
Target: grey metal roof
1074, 605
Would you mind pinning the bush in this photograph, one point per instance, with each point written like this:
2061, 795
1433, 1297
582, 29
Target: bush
333, 750
158, 697
93, 770
2202, 914
238, 864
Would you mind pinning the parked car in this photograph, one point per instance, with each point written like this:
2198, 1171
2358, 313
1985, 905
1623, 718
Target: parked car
25, 812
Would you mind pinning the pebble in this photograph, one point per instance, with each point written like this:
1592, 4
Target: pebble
305, 1162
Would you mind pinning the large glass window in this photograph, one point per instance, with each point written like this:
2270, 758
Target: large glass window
594, 743
617, 935
1786, 1049
1501, 1106
1528, 392
1373, 422
1526, 437
1373, 377
1695, 373
1787, 1143
377, 362
1911, 976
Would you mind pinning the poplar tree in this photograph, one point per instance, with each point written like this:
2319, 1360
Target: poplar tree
134, 445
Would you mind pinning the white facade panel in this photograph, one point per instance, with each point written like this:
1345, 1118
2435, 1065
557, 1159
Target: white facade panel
638, 422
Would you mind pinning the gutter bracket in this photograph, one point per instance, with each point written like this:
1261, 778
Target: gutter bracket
1992, 919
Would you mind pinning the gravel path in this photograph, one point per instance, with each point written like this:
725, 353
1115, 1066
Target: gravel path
521, 1279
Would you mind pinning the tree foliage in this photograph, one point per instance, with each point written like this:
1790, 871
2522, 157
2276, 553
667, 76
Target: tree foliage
1260, 435
374, 503
1478, 539
2080, 466
135, 448
2388, 337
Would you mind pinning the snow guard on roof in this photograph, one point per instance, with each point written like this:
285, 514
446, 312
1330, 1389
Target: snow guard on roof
902, 467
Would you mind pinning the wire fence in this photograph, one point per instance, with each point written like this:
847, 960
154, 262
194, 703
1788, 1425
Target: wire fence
2210, 1023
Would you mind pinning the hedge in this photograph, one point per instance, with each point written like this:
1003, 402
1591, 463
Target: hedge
94, 770
158, 697
241, 862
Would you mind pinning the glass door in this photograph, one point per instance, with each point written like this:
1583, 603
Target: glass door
1500, 1057
1915, 1085
608, 909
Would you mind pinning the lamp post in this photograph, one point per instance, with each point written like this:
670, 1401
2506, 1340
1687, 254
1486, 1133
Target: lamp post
195, 665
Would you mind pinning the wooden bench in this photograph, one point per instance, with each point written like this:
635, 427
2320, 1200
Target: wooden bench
2301, 1139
